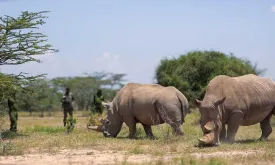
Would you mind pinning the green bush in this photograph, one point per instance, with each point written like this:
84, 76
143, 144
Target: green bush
191, 73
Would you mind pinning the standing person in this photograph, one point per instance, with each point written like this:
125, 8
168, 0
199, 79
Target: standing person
12, 113
67, 105
98, 98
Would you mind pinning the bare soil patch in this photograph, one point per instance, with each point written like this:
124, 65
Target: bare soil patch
76, 157
226, 154
96, 157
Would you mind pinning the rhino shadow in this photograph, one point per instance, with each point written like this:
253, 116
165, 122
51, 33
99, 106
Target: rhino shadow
249, 141
137, 138
244, 141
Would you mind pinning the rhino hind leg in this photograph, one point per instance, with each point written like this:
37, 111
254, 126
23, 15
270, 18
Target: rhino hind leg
176, 125
234, 122
266, 128
148, 131
177, 130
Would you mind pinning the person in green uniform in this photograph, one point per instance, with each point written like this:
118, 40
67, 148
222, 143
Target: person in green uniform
12, 113
67, 105
98, 98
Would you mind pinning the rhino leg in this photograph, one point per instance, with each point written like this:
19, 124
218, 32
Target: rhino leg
266, 128
131, 123
171, 120
177, 130
223, 133
234, 122
148, 131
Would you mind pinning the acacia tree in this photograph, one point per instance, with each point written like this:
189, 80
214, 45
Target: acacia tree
191, 73
20, 42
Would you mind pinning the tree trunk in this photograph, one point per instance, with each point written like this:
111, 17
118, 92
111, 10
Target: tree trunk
42, 114
30, 110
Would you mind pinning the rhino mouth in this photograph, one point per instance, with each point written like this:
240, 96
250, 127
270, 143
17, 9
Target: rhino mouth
207, 139
107, 134
210, 134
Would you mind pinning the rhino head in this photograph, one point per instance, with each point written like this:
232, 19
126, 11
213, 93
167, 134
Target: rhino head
211, 124
111, 126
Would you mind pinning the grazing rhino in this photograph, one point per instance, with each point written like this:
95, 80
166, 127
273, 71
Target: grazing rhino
148, 104
236, 101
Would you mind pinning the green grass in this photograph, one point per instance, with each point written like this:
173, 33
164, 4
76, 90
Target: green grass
44, 129
48, 135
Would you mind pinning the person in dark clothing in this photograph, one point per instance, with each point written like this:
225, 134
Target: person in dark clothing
12, 114
67, 105
98, 98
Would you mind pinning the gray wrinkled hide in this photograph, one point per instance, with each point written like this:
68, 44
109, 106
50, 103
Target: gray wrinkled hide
249, 100
148, 104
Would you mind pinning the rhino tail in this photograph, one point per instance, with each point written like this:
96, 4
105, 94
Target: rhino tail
184, 105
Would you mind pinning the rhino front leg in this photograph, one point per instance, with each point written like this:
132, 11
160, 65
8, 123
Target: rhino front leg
266, 128
148, 131
131, 123
223, 133
234, 122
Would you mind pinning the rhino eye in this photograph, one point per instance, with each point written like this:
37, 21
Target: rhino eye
107, 122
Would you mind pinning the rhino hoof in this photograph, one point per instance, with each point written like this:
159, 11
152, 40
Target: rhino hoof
262, 139
151, 137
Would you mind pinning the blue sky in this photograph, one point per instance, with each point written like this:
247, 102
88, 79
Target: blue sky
131, 36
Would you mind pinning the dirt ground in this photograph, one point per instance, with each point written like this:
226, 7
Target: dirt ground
95, 157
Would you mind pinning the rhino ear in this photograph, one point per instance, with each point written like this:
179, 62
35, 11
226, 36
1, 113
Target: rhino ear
220, 101
101, 121
106, 105
197, 103
107, 122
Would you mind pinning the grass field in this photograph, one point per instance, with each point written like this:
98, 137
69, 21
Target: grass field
44, 141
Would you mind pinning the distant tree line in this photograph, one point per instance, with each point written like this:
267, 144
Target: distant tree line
46, 94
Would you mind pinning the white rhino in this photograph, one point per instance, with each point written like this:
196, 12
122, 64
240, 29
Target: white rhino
148, 104
236, 101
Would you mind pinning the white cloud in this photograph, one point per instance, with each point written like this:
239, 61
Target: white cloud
61, 65
108, 62
106, 57
273, 8
47, 65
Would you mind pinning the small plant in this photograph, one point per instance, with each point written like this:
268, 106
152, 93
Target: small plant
7, 148
136, 150
70, 124
95, 118
216, 162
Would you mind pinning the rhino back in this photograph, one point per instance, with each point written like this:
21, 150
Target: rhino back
252, 94
138, 101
